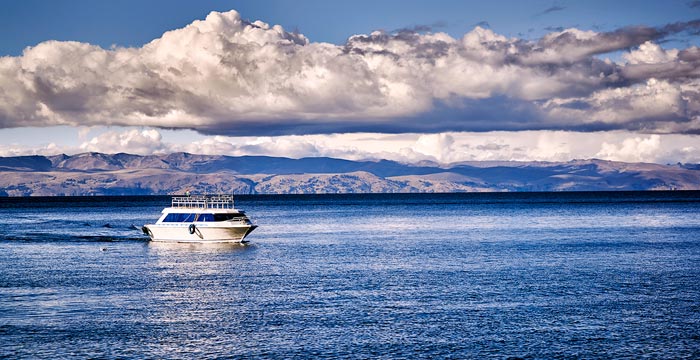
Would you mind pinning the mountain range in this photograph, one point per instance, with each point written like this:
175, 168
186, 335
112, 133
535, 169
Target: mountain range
127, 174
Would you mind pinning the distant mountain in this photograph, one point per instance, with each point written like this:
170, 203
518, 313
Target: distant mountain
127, 174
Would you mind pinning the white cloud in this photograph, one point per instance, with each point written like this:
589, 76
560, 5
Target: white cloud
650, 53
23, 150
437, 146
225, 75
635, 149
288, 146
444, 148
143, 142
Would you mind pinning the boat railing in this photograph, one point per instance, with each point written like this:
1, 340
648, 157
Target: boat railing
203, 202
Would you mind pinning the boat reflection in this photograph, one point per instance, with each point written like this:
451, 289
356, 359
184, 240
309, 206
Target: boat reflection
200, 248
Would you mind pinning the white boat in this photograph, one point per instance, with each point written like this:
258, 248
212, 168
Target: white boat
201, 219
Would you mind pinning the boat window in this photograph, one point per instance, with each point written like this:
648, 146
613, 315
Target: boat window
205, 217
224, 217
178, 217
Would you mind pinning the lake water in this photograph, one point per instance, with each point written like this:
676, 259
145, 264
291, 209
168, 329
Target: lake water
537, 275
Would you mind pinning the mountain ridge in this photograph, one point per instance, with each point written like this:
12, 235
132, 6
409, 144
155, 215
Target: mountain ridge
94, 173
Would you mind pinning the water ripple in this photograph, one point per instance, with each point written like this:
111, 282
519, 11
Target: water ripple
420, 276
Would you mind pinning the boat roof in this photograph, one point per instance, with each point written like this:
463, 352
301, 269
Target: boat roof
201, 210
203, 202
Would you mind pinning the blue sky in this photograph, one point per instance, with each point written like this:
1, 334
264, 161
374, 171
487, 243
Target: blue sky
524, 87
134, 23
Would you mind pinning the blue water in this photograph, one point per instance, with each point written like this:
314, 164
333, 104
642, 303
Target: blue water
541, 275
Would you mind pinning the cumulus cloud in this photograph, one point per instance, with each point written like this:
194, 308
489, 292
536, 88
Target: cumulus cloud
650, 53
632, 149
143, 142
286, 146
229, 76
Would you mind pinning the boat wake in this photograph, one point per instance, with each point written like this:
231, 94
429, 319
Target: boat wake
52, 238
73, 231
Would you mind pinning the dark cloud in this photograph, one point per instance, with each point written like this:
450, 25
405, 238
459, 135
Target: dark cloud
421, 28
692, 26
690, 55
575, 45
577, 104
554, 28
676, 70
478, 115
552, 9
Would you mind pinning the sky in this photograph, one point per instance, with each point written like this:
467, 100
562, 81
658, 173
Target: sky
412, 81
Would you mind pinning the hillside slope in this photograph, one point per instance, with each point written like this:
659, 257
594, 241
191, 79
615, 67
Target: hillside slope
126, 174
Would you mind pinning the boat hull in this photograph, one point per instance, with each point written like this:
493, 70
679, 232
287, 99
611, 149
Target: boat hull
199, 233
